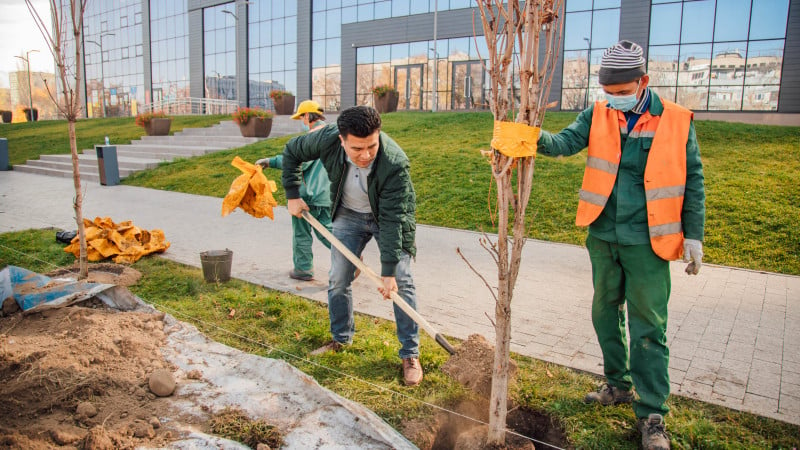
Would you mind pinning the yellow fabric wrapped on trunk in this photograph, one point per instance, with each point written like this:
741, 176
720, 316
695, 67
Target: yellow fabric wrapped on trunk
251, 191
123, 242
516, 140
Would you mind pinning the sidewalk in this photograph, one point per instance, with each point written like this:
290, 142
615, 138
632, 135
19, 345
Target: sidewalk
730, 331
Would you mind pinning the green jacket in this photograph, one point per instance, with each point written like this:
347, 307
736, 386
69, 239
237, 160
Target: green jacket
624, 218
391, 193
316, 187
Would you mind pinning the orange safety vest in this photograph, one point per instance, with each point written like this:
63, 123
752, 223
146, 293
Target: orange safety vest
664, 175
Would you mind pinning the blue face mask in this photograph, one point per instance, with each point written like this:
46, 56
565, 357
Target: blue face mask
305, 128
623, 103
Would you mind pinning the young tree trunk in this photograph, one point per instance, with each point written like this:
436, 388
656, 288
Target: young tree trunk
69, 107
504, 25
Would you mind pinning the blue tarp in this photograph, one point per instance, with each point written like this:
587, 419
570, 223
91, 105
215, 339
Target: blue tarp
31, 289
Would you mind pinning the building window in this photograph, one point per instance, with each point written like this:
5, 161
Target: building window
272, 53
169, 49
219, 52
718, 57
591, 26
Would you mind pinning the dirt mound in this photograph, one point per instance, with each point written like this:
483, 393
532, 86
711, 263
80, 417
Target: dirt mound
472, 365
77, 376
106, 273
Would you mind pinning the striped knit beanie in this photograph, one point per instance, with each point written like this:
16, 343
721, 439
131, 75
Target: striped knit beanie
623, 62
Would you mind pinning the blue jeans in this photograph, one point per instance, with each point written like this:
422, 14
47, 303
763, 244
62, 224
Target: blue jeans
355, 230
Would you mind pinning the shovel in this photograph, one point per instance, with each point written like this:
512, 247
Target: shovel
439, 338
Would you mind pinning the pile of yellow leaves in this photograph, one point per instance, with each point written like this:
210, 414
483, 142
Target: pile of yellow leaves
251, 191
125, 242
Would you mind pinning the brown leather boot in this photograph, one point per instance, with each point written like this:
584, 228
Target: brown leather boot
412, 371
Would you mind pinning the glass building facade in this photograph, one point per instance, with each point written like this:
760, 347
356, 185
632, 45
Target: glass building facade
709, 55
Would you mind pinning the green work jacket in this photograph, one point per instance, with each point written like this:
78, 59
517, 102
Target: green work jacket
391, 193
624, 218
316, 187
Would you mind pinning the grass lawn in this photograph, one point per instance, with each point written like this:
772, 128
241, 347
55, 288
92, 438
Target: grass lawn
753, 208
285, 326
50, 137
753, 204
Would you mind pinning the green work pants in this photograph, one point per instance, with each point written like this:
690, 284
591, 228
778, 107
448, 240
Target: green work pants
302, 256
636, 276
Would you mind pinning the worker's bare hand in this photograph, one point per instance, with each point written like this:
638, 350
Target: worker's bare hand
389, 286
296, 206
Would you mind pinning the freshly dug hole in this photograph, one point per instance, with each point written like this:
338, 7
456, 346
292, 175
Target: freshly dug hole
448, 431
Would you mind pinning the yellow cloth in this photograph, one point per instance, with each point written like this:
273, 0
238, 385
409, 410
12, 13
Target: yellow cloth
123, 242
516, 140
251, 191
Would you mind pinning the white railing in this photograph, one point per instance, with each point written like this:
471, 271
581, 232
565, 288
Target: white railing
192, 106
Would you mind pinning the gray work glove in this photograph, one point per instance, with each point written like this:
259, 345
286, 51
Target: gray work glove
263, 162
693, 254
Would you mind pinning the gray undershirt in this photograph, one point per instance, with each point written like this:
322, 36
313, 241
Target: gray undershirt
355, 196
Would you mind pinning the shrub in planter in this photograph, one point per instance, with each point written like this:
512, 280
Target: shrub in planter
253, 122
154, 123
385, 98
31, 116
6, 116
283, 101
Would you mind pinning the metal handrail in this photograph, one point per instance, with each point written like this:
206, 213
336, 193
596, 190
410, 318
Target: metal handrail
192, 106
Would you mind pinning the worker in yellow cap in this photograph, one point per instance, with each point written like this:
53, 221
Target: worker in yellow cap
315, 191
310, 112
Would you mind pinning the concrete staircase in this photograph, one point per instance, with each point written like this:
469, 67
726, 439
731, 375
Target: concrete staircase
148, 152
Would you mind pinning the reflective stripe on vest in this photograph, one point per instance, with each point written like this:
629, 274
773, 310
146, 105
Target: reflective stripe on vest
664, 175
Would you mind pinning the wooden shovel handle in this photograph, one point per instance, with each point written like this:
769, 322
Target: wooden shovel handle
414, 315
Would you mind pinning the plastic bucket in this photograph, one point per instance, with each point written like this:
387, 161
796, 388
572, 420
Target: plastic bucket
216, 265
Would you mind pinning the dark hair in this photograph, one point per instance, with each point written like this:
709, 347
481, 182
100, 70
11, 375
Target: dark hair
313, 117
360, 121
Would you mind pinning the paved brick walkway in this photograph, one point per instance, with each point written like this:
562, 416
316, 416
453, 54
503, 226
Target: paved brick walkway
730, 331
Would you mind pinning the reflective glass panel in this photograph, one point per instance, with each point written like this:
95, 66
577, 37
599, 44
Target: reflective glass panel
576, 69
698, 22
725, 98
665, 24
695, 98
579, 5
605, 28
577, 30
694, 68
768, 19
728, 63
732, 21
662, 65
764, 62
760, 98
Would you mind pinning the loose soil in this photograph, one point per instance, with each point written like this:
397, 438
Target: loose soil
80, 377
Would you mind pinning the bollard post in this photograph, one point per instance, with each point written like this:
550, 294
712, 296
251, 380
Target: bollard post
107, 164
4, 154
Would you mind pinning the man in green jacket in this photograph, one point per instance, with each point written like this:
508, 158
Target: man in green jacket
643, 198
372, 196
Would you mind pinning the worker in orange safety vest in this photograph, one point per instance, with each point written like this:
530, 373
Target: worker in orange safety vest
643, 199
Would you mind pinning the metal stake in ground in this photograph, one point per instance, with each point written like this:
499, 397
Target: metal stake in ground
439, 338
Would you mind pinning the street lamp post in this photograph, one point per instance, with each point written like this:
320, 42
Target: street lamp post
30, 83
102, 78
436, 57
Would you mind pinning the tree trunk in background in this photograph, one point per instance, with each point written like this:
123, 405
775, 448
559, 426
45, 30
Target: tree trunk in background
63, 23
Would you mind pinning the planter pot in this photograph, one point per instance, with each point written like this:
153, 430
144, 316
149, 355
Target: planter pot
284, 105
387, 102
158, 127
7, 115
28, 114
256, 127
